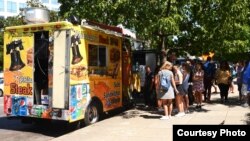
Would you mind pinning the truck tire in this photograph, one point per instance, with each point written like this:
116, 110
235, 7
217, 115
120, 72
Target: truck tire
92, 114
1, 93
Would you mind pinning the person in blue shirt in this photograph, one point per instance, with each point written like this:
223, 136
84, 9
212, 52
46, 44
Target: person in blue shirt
245, 90
209, 72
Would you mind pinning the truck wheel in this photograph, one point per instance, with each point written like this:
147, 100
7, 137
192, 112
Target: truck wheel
92, 114
1, 93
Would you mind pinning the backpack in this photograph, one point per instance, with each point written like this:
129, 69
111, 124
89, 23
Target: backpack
164, 82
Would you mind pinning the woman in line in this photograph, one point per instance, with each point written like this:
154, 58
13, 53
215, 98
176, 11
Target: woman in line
167, 96
157, 89
198, 86
223, 79
185, 85
239, 71
178, 77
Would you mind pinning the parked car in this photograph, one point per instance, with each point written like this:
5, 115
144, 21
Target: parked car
1, 87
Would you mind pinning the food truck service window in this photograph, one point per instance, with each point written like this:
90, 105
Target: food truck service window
97, 55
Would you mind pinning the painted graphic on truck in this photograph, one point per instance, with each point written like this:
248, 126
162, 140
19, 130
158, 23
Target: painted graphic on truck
91, 68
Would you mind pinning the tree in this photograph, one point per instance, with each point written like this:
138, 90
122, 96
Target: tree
200, 26
154, 21
220, 26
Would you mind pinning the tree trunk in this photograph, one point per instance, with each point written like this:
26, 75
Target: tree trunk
163, 55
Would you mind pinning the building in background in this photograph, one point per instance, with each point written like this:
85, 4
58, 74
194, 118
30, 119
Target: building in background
12, 7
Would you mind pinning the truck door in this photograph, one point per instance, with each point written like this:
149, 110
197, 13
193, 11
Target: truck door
61, 61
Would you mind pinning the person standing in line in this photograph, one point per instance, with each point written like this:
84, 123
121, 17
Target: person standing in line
148, 86
178, 77
239, 72
185, 85
223, 78
190, 83
233, 75
214, 86
157, 89
198, 85
246, 84
209, 72
168, 96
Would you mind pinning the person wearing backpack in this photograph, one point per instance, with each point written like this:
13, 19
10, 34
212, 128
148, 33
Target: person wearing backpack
167, 89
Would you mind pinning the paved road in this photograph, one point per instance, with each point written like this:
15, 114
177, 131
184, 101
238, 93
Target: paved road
142, 124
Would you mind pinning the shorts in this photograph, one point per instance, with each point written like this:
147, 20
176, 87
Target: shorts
244, 90
181, 90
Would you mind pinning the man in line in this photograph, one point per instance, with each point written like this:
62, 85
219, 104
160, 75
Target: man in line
209, 72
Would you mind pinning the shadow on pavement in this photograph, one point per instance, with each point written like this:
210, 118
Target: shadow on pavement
150, 116
232, 100
53, 129
130, 114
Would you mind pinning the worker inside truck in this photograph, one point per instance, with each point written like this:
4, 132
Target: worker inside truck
41, 56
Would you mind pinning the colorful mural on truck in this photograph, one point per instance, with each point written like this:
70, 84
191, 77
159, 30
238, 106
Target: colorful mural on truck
93, 70
19, 67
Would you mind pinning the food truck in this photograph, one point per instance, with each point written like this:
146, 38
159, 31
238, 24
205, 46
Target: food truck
65, 71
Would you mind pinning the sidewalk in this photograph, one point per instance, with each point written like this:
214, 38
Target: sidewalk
140, 124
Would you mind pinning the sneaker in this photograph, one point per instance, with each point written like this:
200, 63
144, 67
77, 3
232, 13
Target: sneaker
187, 111
160, 109
181, 114
164, 118
175, 110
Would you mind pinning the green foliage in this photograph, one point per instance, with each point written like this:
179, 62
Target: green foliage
35, 3
153, 20
201, 26
221, 26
